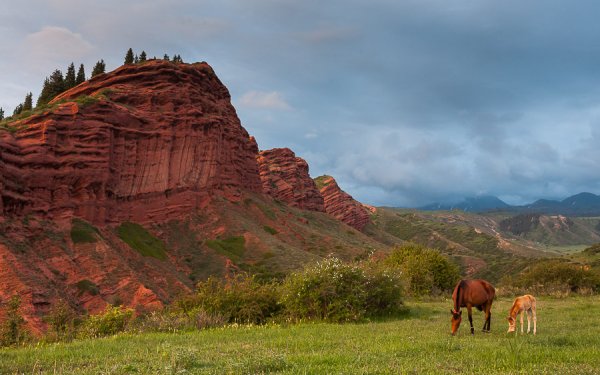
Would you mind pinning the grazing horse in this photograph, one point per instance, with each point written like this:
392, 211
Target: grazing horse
522, 305
469, 293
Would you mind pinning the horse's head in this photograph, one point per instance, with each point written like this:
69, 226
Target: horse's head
512, 324
455, 320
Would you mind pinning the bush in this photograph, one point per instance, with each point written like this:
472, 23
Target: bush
61, 322
334, 291
83, 232
426, 270
12, 330
240, 299
557, 276
174, 320
113, 320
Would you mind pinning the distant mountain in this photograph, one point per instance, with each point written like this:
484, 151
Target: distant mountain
582, 204
473, 204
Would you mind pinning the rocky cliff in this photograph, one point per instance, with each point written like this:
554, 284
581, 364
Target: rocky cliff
285, 177
341, 205
157, 144
146, 142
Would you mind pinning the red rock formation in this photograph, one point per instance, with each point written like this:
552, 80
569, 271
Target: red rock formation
341, 205
285, 177
146, 142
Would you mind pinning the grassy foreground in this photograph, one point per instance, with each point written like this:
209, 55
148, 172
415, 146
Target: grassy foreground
568, 341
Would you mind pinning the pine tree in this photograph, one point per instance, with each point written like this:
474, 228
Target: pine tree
99, 68
136, 59
70, 77
129, 57
166, 57
18, 109
80, 75
28, 104
1, 114
53, 85
143, 56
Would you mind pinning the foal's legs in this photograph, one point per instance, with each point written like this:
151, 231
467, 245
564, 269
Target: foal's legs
522, 312
470, 318
529, 313
534, 318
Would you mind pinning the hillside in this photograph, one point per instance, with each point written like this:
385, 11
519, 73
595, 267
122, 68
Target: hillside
134, 185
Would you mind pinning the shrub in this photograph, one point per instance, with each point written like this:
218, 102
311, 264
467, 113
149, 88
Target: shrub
12, 330
83, 232
557, 276
270, 230
334, 291
141, 240
113, 320
87, 286
426, 270
61, 322
240, 299
173, 320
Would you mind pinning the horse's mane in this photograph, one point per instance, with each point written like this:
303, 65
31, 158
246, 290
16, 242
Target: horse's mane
459, 287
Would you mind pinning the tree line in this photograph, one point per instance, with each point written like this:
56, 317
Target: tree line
57, 83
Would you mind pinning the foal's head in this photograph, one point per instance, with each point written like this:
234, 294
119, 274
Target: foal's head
455, 320
512, 324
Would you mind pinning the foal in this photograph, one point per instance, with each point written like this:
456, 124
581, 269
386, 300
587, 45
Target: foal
522, 305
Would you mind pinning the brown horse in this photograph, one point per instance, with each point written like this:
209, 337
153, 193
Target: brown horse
523, 305
469, 293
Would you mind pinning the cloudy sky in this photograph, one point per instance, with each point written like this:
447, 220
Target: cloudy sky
405, 102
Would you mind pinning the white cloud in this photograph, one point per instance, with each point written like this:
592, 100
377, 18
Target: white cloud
264, 100
54, 43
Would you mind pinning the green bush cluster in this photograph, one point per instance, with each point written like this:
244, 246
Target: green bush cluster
12, 330
425, 270
83, 232
556, 276
112, 320
239, 299
334, 291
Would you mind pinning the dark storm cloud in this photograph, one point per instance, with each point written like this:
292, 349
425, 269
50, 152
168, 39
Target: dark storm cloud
404, 102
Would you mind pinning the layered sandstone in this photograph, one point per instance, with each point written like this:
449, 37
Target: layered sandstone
285, 177
146, 142
341, 205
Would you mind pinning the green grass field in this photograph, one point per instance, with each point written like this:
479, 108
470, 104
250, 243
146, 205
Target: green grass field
568, 342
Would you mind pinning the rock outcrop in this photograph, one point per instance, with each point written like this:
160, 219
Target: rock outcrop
146, 142
341, 205
285, 177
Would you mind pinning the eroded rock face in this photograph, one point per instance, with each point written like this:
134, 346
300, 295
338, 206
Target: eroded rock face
341, 205
146, 142
285, 177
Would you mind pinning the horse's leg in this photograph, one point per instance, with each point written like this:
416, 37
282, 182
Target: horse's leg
522, 313
487, 310
534, 318
470, 318
528, 320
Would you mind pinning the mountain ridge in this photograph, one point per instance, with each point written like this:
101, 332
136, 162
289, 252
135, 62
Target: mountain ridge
580, 204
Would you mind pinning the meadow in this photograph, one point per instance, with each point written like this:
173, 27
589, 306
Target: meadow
568, 342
